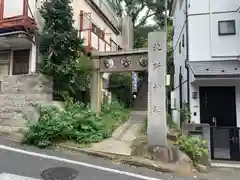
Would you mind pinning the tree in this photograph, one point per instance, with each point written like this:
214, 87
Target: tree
141, 35
140, 12
60, 44
120, 85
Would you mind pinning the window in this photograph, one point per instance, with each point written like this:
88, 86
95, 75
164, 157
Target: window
226, 27
94, 28
101, 34
180, 47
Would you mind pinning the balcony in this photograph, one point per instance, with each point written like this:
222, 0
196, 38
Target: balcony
95, 39
16, 15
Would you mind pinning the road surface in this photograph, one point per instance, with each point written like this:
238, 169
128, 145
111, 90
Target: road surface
28, 163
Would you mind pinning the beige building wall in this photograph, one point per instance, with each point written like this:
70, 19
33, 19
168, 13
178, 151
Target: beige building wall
79, 5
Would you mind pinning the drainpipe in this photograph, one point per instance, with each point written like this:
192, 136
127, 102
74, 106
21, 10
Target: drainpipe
180, 95
187, 55
37, 41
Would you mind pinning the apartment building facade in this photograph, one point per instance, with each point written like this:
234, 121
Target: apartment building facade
206, 47
20, 23
97, 22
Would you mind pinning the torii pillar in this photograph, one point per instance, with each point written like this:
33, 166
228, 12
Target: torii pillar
153, 60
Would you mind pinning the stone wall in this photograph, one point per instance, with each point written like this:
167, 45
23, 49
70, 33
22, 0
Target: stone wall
18, 96
199, 130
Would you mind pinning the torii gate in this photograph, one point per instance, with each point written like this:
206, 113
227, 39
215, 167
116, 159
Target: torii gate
152, 60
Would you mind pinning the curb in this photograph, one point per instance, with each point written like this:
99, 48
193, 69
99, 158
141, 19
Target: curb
177, 167
13, 136
88, 152
134, 161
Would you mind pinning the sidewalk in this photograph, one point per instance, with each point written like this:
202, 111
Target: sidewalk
122, 138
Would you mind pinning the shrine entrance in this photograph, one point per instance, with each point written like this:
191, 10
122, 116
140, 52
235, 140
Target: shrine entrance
117, 62
152, 60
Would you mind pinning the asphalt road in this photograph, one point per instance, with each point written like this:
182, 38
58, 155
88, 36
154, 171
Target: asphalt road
28, 163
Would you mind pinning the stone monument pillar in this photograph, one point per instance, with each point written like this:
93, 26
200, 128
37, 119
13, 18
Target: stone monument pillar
96, 87
157, 126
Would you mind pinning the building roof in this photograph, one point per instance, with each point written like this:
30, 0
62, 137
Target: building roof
215, 68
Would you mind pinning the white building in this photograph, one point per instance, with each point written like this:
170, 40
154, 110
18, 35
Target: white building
206, 46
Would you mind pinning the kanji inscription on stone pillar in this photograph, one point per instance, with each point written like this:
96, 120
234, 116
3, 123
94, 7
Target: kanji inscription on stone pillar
157, 127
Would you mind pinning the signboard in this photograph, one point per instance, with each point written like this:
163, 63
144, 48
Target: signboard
123, 61
134, 82
157, 128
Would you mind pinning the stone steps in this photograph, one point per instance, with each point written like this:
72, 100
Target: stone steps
141, 101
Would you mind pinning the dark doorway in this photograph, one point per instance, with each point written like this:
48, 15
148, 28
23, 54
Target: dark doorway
21, 61
218, 108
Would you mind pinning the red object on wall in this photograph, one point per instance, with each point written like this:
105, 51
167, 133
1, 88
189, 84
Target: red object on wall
22, 21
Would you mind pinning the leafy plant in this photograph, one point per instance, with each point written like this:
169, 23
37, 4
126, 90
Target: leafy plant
62, 50
120, 85
195, 148
76, 122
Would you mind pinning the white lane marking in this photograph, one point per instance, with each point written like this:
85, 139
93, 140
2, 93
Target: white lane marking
76, 163
7, 176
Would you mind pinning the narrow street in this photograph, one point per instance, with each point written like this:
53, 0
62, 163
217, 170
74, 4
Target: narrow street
29, 163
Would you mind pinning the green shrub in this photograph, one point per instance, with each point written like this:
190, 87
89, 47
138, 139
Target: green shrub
113, 115
195, 148
76, 122
120, 85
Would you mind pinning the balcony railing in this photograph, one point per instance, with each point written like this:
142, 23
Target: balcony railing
17, 13
95, 39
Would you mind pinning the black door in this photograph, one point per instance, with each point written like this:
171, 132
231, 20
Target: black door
218, 108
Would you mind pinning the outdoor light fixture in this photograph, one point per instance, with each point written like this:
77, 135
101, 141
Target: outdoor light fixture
143, 61
108, 63
194, 95
125, 62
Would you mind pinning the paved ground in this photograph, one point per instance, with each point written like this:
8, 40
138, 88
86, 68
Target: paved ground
123, 136
27, 163
30, 162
